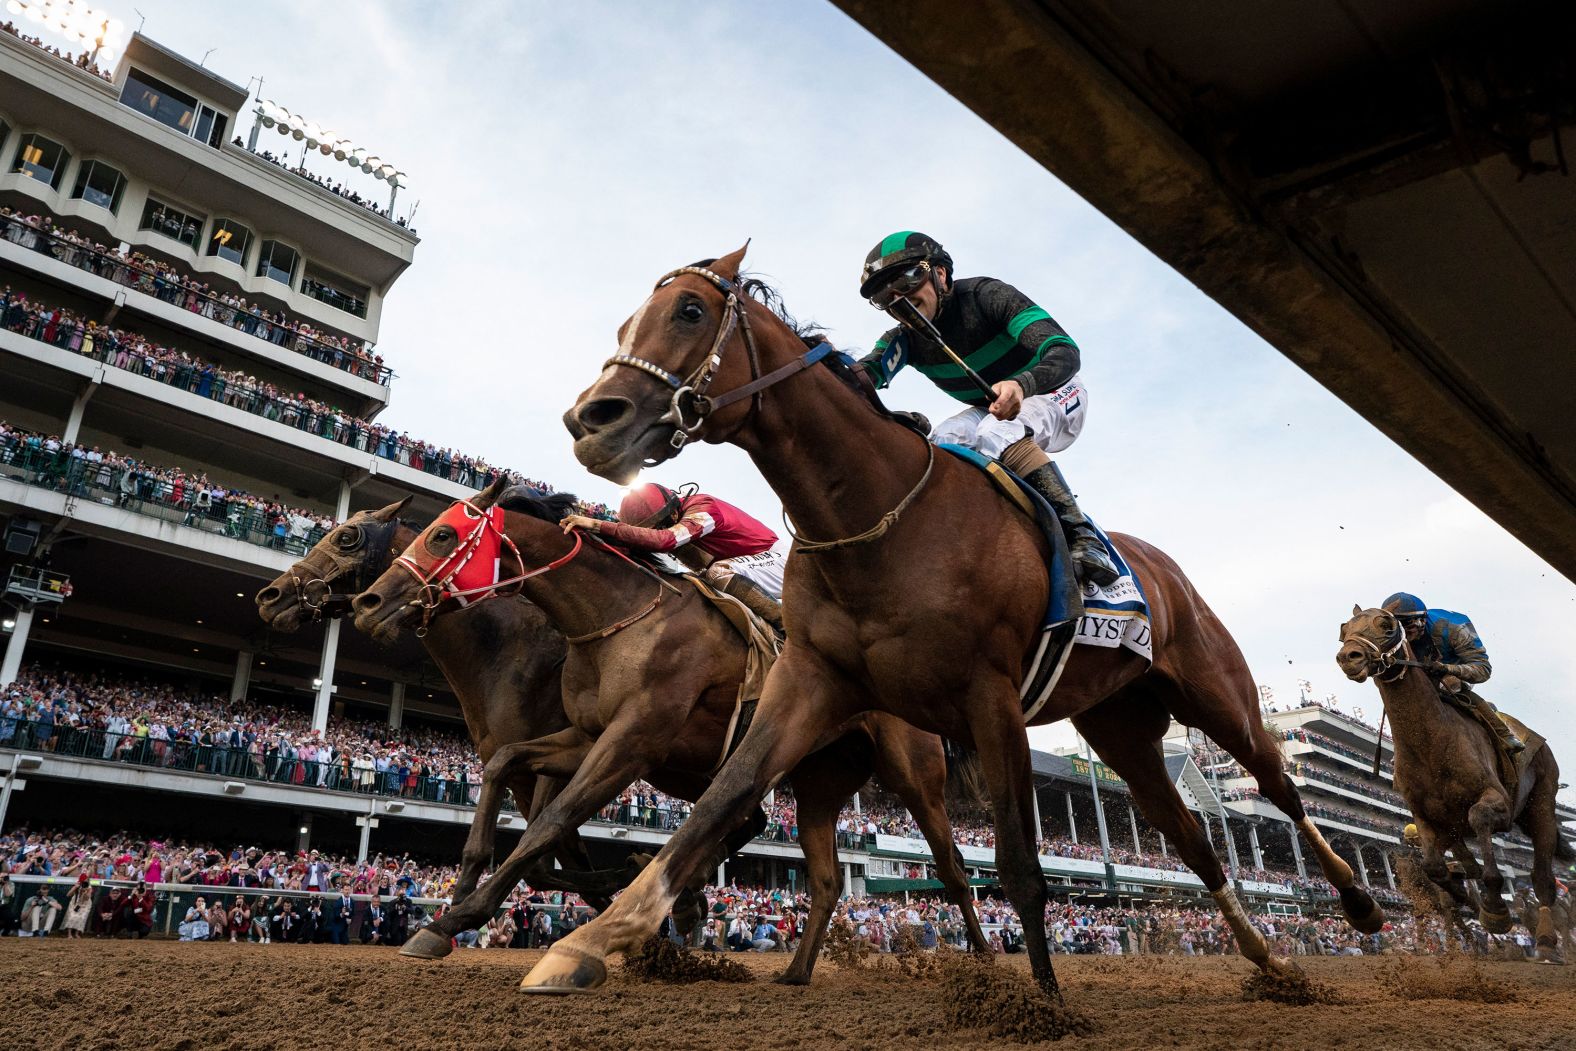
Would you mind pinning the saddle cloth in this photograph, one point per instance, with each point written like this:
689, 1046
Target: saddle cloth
1511, 769
1116, 615
761, 650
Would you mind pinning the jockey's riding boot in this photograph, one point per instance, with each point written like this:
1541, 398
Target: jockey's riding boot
1502, 730
756, 598
1090, 561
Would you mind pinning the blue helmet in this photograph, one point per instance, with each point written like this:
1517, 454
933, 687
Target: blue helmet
1404, 605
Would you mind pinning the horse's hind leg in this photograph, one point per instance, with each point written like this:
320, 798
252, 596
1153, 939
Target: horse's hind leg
822, 783
913, 765
1538, 821
1226, 707
1126, 730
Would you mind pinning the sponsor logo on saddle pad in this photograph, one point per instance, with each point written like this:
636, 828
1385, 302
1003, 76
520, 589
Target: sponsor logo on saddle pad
1116, 615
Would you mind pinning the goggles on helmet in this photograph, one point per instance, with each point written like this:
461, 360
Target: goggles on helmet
901, 285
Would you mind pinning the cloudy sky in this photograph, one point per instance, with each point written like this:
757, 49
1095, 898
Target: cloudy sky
566, 155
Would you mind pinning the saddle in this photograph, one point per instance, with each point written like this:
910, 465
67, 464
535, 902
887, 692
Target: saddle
761, 650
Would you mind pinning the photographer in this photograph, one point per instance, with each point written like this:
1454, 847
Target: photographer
373, 930
339, 919
286, 924
137, 913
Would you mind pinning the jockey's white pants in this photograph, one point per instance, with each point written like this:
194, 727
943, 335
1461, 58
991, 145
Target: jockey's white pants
764, 570
1053, 420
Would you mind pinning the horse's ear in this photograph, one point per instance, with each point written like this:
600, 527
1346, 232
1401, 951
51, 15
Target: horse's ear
391, 512
1357, 610
489, 496
729, 265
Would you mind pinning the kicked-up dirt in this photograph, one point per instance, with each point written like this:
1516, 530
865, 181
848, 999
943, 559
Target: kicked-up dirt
101, 995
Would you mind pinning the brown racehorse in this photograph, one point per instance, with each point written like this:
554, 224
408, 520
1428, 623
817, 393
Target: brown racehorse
1445, 769
650, 688
924, 607
502, 659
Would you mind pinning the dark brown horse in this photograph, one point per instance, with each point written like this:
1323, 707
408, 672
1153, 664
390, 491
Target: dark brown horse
650, 687
1445, 768
923, 606
502, 659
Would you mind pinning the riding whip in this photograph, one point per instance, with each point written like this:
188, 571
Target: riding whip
909, 315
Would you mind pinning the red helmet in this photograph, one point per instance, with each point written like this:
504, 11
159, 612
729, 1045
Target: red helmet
649, 505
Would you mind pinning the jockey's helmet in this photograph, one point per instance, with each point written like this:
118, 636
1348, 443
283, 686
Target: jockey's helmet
650, 506
1405, 606
906, 254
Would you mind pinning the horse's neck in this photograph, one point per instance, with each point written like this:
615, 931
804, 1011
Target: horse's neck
482, 652
584, 594
1415, 710
836, 465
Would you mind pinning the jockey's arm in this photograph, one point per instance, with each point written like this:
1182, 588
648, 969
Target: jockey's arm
1055, 358
887, 359
1467, 659
693, 526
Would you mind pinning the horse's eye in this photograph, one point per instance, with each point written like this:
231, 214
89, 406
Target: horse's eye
691, 311
349, 538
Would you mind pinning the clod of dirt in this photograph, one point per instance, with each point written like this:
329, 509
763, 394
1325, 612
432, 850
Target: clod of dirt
659, 960
1005, 1003
1452, 977
844, 946
1296, 989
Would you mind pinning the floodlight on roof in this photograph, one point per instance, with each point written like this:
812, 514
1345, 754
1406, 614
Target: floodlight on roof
13, 6
342, 149
326, 140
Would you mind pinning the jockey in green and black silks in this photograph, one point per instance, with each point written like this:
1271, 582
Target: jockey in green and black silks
1030, 363
1448, 646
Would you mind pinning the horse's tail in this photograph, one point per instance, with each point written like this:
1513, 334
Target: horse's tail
965, 777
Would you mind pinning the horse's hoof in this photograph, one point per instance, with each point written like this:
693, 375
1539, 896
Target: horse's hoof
426, 944
564, 971
1283, 967
1360, 909
1494, 922
790, 978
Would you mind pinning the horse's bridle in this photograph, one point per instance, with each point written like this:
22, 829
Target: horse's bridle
434, 580
690, 398
1386, 662
336, 603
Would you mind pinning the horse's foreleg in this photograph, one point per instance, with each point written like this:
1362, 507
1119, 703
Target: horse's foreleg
799, 706
1491, 814
996, 724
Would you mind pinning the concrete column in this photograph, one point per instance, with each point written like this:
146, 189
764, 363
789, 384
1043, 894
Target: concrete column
78, 407
12, 784
857, 811
325, 677
342, 508
304, 831
397, 709
1039, 829
1389, 873
1362, 869
1132, 824
1072, 822
848, 878
12, 662
1296, 851
243, 675
1163, 851
1253, 839
1099, 817
722, 874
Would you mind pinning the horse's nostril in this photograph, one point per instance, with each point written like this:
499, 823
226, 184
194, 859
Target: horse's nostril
604, 412
268, 595
366, 602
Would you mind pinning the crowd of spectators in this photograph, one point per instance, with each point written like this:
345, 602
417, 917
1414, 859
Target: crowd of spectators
1386, 767
169, 284
83, 61
332, 186
127, 482
124, 349
156, 724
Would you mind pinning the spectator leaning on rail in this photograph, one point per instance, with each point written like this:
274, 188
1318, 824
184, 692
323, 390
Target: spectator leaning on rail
735, 550
1448, 646
1030, 363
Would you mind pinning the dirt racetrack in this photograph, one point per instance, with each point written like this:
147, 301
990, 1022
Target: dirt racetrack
91, 995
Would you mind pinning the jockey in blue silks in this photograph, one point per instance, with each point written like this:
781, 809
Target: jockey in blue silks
1449, 646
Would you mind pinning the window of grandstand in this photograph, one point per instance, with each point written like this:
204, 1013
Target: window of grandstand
278, 261
41, 159
98, 183
336, 291
172, 222
229, 240
173, 108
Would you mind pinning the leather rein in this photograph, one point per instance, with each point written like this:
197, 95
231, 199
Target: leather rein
1388, 666
690, 398
337, 603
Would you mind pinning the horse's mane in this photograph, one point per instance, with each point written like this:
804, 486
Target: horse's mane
549, 507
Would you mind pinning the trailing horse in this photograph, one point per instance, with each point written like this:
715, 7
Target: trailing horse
1446, 769
924, 606
502, 659
651, 688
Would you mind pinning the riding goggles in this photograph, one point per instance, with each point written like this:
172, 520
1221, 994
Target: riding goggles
902, 285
